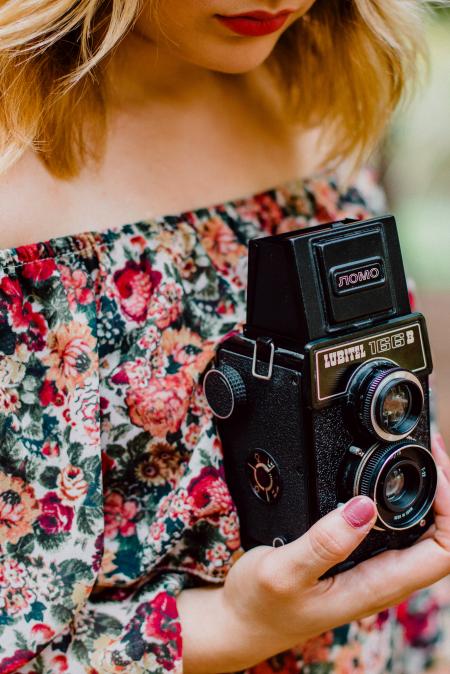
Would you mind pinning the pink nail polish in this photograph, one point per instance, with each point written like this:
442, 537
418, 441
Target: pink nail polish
359, 511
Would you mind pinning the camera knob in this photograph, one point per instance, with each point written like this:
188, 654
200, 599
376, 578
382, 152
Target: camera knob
224, 390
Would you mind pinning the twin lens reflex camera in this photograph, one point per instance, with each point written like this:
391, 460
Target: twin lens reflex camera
325, 394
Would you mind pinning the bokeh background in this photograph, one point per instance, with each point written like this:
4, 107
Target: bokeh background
415, 170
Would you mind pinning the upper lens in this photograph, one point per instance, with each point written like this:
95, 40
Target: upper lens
396, 406
386, 399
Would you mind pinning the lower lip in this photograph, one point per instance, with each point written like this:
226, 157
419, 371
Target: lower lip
243, 25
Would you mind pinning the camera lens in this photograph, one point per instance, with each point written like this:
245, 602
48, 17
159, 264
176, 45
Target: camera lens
386, 399
396, 406
401, 478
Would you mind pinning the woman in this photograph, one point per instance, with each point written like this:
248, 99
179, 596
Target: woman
123, 112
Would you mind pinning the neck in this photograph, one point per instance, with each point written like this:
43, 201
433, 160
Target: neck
139, 71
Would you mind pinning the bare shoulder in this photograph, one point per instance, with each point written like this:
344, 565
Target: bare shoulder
26, 195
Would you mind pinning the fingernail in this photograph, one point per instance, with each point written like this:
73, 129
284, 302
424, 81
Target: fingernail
359, 511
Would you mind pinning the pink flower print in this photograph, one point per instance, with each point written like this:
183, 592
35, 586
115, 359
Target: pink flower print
71, 484
12, 574
72, 358
161, 405
18, 508
119, 516
166, 306
75, 284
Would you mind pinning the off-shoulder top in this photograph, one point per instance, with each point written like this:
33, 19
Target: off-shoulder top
112, 490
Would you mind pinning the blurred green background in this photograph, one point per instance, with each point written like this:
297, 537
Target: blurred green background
415, 169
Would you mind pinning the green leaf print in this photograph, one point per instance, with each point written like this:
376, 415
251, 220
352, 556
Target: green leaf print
49, 477
36, 613
23, 547
88, 519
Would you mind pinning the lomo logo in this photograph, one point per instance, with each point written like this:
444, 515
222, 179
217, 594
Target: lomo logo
347, 279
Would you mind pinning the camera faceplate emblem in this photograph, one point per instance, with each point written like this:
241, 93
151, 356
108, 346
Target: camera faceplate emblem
264, 476
353, 277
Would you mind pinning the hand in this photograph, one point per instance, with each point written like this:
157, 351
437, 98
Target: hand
273, 598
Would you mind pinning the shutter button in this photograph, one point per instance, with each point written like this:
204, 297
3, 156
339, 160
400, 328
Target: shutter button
224, 390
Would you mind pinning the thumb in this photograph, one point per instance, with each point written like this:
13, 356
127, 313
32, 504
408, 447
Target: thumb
329, 541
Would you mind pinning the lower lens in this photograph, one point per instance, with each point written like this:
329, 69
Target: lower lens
402, 485
401, 478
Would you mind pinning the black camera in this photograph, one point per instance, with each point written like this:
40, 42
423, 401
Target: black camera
325, 394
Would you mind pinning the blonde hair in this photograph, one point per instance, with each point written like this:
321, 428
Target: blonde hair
343, 67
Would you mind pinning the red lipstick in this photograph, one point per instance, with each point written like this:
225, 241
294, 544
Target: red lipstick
255, 24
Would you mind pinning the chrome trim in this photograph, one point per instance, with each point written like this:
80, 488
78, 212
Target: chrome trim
397, 374
268, 376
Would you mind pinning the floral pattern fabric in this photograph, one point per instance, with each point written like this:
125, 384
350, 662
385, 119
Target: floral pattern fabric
112, 490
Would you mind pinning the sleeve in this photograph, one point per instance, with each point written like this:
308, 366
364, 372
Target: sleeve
50, 473
53, 616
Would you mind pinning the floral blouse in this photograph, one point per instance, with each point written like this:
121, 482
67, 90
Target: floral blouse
112, 490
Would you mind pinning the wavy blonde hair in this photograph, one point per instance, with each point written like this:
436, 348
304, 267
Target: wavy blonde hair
344, 67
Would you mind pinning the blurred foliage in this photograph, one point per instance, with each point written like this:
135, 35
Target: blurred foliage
417, 167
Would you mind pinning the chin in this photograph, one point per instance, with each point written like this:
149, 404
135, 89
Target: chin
235, 60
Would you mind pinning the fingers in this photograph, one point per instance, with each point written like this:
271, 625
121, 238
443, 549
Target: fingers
440, 454
329, 541
387, 579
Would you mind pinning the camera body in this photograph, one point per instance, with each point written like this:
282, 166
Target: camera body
325, 394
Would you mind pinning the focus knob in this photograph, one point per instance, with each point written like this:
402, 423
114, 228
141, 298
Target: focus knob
224, 390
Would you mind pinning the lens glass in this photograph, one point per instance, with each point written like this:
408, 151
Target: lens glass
396, 406
395, 483
402, 485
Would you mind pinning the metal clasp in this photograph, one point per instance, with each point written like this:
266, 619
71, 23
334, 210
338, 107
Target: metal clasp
267, 376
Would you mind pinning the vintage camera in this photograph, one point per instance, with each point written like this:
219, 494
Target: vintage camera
325, 395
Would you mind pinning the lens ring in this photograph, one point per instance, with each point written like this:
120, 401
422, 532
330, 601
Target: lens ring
376, 465
369, 388
379, 395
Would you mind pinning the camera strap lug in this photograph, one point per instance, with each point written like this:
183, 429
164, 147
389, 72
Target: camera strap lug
263, 342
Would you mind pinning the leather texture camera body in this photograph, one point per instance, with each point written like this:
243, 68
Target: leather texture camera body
325, 395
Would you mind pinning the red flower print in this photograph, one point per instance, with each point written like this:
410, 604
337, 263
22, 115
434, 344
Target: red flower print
12, 664
42, 633
162, 404
31, 324
39, 271
119, 516
209, 494
136, 283
18, 508
49, 394
56, 517
60, 664
50, 449
161, 622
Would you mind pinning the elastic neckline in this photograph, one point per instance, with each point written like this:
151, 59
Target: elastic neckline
93, 239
